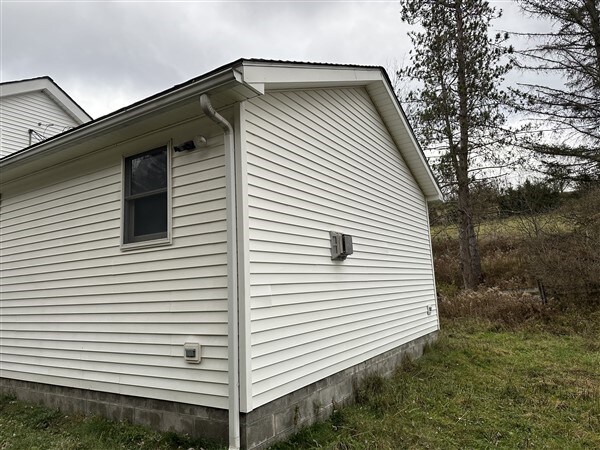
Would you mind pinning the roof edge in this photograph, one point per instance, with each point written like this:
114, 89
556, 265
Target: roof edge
438, 195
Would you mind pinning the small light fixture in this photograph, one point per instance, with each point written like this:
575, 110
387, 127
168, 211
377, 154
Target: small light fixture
197, 142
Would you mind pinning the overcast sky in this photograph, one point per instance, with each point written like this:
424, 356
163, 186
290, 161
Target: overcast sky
109, 54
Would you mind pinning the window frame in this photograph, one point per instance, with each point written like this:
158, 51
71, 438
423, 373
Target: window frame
153, 240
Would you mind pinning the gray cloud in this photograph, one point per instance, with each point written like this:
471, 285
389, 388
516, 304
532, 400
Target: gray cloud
109, 54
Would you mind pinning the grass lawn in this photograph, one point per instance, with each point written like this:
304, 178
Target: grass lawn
484, 384
31, 427
479, 387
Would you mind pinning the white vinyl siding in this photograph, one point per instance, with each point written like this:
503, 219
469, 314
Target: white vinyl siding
77, 311
323, 160
22, 112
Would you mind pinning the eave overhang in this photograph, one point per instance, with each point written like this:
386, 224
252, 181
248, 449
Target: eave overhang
225, 86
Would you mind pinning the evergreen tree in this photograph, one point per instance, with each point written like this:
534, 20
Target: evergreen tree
457, 105
570, 112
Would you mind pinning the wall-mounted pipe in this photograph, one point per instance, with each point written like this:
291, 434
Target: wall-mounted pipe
232, 275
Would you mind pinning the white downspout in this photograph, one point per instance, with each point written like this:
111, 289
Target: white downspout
232, 276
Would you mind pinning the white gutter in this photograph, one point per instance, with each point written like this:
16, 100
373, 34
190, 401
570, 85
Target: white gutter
232, 275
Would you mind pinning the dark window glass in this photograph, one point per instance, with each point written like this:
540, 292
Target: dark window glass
150, 215
146, 196
148, 172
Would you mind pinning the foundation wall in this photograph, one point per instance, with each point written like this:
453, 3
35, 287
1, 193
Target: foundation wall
260, 428
286, 415
160, 415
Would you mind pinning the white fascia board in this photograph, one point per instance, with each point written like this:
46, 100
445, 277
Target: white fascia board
51, 89
282, 75
105, 124
22, 87
68, 105
257, 87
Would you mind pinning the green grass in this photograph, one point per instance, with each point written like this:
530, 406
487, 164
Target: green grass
31, 427
529, 382
507, 227
479, 387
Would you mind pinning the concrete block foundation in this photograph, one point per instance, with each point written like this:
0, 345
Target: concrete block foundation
283, 417
260, 428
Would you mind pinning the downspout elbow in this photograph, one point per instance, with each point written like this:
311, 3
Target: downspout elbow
209, 110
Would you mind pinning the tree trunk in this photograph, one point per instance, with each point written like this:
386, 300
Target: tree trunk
595, 30
469, 251
470, 262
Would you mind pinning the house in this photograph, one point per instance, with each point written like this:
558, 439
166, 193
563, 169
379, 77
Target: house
225, 258
33, 110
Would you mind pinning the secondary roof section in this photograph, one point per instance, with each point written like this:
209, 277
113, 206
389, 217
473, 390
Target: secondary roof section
46, 84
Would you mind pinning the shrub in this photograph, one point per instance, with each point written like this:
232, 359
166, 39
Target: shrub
558, 249
565, 256
446, 261
531, 197
503, 259
504, 308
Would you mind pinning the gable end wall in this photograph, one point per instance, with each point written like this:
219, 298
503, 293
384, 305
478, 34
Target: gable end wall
323, 160
23, 112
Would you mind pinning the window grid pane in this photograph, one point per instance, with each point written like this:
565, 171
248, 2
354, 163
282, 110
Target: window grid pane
146, 201
148, 172
150, 215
